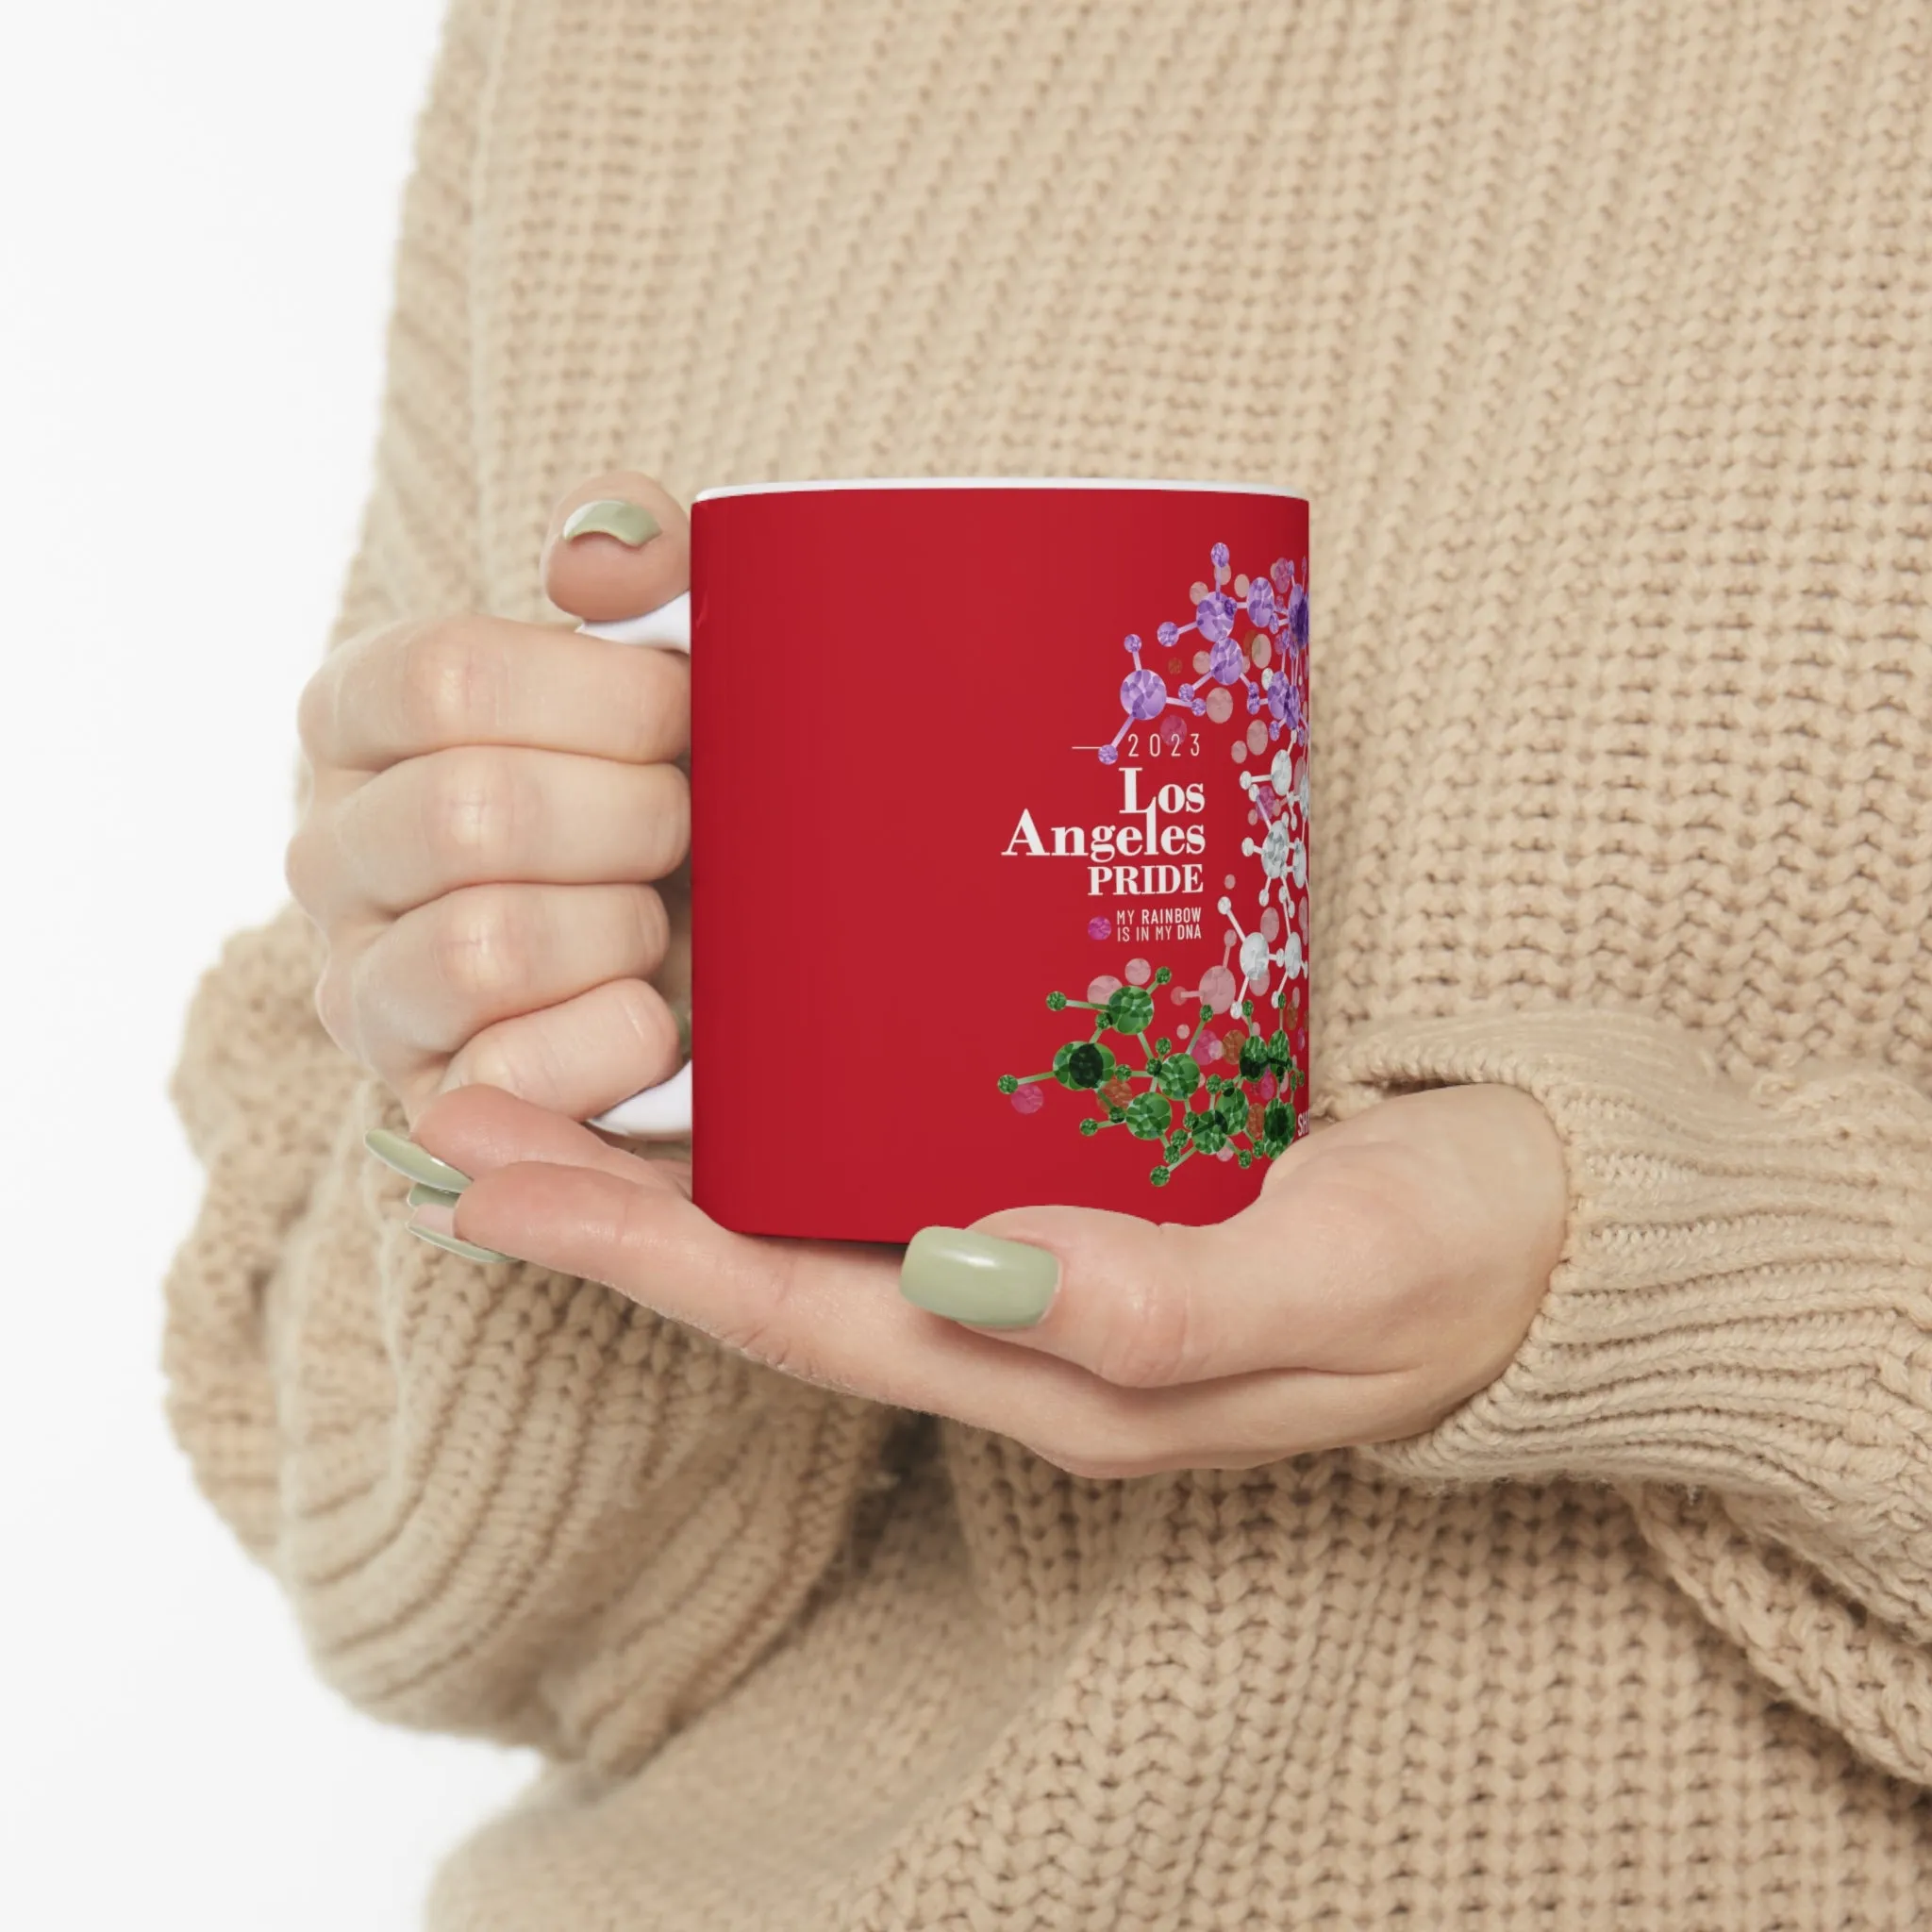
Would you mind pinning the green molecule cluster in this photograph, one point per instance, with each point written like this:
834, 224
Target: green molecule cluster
1187, 1111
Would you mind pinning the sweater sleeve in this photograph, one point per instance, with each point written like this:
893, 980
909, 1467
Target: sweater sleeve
1738, 1337
501, 1501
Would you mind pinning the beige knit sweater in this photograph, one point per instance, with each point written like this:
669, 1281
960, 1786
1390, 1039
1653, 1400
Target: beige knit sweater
1601, 338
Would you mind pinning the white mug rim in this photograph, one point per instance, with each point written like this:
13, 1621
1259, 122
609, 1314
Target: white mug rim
724, 489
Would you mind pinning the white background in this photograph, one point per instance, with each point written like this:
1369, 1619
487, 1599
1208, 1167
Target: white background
198, 202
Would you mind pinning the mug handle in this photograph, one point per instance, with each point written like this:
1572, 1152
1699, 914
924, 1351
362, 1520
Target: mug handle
662, 1112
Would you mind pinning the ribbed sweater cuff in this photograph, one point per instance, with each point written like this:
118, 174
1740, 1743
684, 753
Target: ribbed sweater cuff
1746, 1292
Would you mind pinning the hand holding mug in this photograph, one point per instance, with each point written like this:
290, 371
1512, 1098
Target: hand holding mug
1388, 1269
953, 943
496, 830
1351, 1287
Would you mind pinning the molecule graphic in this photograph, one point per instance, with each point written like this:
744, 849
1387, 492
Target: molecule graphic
1244, 1112
1276, 605
1285, 868
1246, 1109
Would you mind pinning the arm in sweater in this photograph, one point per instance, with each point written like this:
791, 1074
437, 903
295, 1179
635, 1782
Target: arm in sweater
1738, 1338
500, 1500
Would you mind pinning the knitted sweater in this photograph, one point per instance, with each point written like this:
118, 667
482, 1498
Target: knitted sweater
1601, 339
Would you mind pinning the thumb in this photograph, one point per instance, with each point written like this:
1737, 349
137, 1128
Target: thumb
1419, 1235
1139, 1304
617, 545
1301, 1278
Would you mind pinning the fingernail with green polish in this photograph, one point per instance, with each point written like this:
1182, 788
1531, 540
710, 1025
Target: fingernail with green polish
421, 1196
468, 1250
611, 516
410, 1161
977, 1277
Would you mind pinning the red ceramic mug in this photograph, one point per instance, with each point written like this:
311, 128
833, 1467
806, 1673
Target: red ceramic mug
999, 850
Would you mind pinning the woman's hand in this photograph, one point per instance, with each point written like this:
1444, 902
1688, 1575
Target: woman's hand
494, 840
1388, 1269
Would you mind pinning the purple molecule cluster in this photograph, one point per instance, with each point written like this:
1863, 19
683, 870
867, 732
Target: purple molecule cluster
1274, 647
1276, 605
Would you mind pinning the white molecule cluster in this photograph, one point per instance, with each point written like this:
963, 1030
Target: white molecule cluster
1281, 804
